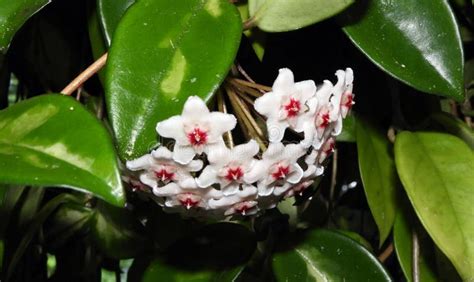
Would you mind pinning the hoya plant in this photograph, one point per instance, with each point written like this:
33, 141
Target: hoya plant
233, 140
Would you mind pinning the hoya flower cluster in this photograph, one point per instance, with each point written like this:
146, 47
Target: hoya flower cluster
201, 175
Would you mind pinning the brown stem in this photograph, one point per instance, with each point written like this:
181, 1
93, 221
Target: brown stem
251, 84
386, 253
85, 75
221, 105
249, 23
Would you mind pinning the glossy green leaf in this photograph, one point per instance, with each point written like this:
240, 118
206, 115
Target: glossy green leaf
110, 13
284, 15
402, 239
379, 176
51, 140
455, 127
13, 14
159, 271
164, 51
436, 172
326, 255
117, 233
415, 41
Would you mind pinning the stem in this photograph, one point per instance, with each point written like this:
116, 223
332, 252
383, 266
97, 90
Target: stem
249, 23
244, 73
386, 253
415, 257
85, 75
333, 180
221, 105
251, 84
246, 120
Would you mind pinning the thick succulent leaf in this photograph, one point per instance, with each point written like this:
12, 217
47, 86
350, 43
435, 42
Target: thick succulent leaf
164, 51
110, 13
51, 140
402, 240
117, 232
379, 176
326, 255
436, 172
417, 42
13, 14
284, 15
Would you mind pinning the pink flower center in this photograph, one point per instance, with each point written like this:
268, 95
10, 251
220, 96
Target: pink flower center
244, 207
347, 100
164, 175
329, 146
293, 107
323, 119
197, 137
189, 200
234, 174
281, 172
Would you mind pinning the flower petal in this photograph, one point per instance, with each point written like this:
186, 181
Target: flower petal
324, 92
285, 80
208, 177
162, 153
265, 190
170, 189
142, 162
307, 89
194, 108
183, 154
258, 172
230, 189
172, 128
220, 123
276, 130
245, 151
268, 104
194, 165
149, 180
296, 175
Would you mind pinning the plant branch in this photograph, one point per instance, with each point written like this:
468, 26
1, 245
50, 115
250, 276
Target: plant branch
415, 257
84, 76
386, 253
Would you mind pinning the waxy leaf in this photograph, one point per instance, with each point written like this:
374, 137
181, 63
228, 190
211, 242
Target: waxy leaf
284, 15
13, 14
415, 41
51, 140
110, 13
164, 51
454, 126
379, 176
326, 255
436, 172
402, 239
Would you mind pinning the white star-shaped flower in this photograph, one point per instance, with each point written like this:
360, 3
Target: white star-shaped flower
229, 167
160, 169
196, 130
279, 168
285, 106
243, 202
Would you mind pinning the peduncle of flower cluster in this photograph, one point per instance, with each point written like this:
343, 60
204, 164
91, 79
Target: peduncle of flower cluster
239, 180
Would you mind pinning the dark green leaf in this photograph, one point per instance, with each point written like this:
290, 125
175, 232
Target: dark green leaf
402, 239
378, 174
53, 140
283, 15
164, 51
110, 13
326, 255
13, 15
415, 41
117, 233
436, 172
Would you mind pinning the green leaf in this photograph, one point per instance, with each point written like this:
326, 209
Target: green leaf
379, 176
117, 233
455, 127
436, 172
284, 15
164, 51
417, 42
110, 13
402, 240
13, 15
348, 133
52, 140
326, 255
